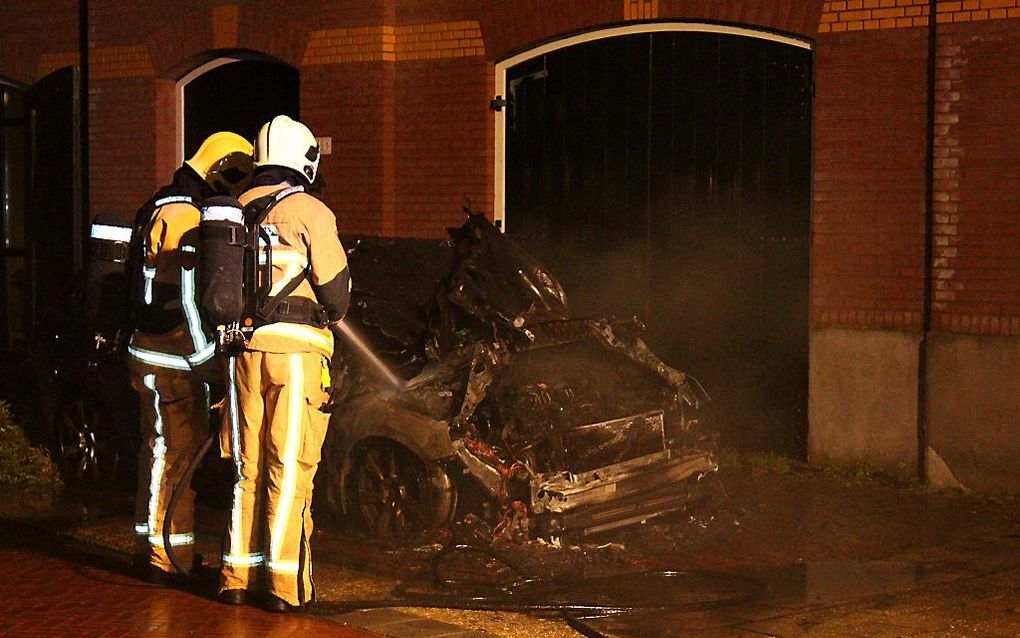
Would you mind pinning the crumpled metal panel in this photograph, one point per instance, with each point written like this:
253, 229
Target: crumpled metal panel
565, 414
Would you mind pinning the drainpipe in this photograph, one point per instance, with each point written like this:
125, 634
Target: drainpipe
83, 114
929, 234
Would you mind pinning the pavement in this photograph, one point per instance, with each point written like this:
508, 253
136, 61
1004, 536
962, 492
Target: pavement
61, 577
783, 553
58, 593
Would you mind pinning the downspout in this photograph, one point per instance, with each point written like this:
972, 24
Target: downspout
83, 116
929, 234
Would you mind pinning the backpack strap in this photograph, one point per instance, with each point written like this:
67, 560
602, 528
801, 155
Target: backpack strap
264, 312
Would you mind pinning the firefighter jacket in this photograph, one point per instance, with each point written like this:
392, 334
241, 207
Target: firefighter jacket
304, 240
170, 282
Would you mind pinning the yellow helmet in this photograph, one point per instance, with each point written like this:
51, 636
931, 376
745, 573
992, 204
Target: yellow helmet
224, 160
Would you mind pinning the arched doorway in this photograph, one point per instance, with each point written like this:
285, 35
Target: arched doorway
238, 93
664, 171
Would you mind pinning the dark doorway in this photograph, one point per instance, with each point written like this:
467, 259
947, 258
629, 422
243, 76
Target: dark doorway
54, 226
41, 229
668, 176
240, 96
14, 171
41, 235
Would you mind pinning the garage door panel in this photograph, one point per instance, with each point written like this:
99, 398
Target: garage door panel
667, 175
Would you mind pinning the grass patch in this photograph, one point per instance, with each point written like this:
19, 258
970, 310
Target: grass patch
21, 464
757, 463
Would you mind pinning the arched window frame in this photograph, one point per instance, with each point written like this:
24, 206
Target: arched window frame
501, 68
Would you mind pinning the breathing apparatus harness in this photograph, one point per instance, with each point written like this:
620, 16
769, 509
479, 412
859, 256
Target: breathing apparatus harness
236, 273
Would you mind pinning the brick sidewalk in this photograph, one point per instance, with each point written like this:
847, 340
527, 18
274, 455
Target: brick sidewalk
47, 595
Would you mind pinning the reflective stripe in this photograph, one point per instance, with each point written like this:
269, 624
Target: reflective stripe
287, 256
203, 355
191, 309
295, 385
244, 560
149, 274
235, 444
159, 359
111, 233
142, 528
163, 360
175, 539
173, 199
299, 332
223, 214
158, 454
283, 566
289, 191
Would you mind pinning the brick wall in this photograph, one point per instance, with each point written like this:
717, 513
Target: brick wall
869, 162
27, 33
402, 88
977, 214
868, 220
343, 102
857, 15
443, 142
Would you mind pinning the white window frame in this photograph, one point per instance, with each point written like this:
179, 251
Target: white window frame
499, 169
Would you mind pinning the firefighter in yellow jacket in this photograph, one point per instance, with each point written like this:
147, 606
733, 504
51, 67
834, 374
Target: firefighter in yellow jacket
274, 428
168, 348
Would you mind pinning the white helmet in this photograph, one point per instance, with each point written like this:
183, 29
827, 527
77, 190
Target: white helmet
285, 142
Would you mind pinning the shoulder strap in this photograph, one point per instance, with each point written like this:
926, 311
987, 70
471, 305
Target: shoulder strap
272, 304
266, 203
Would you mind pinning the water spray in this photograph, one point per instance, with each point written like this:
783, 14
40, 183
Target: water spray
340, 327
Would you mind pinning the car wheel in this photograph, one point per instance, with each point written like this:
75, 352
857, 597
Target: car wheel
82, 455
394, 494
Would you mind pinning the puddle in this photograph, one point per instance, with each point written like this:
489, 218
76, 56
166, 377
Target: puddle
780, 591
833, 581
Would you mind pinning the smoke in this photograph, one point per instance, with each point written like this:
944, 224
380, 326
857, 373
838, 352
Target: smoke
730, 311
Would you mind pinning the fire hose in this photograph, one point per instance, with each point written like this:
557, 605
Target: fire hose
175, 497
516, 597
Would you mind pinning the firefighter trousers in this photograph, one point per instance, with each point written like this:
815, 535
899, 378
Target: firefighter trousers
174, 420
273, 430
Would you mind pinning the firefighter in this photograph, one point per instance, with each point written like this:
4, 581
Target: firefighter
274, 427
170, 356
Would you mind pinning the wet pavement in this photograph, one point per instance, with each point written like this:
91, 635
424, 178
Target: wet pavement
793, 553
54, 592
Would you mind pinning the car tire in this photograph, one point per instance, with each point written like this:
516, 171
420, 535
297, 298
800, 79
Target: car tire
391, 493
83, 452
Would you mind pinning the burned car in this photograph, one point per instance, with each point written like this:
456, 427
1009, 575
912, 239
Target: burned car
500, 405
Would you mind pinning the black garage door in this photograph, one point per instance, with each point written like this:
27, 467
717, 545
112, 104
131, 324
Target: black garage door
668, 176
